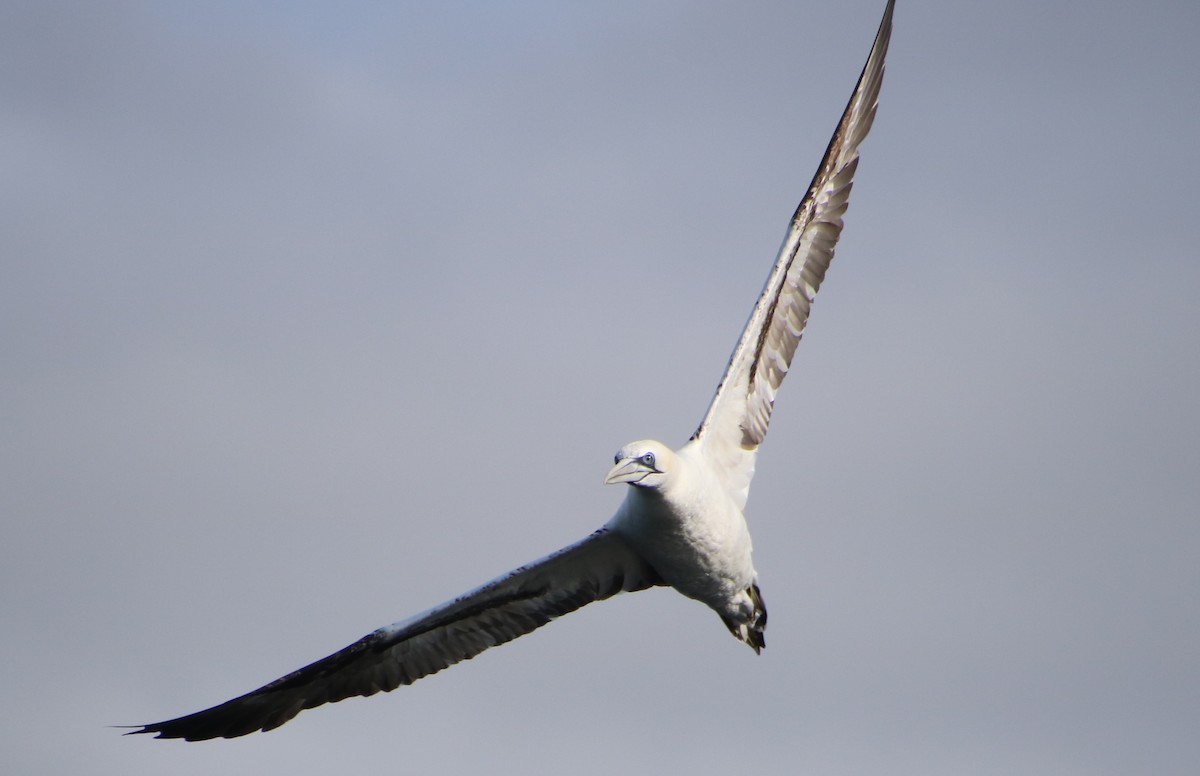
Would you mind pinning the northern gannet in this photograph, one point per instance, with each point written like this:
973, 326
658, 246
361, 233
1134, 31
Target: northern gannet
681, 523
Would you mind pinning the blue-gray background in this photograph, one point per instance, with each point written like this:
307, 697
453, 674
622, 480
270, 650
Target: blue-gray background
313, 316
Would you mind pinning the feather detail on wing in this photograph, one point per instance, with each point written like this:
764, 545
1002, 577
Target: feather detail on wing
737, 419
596, 568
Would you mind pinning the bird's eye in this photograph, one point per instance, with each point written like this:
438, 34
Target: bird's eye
617, 458
648, 459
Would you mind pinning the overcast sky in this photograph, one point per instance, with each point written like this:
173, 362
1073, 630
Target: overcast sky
315, 315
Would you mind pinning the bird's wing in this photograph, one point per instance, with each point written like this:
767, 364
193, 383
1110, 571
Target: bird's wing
736, 421
596, 568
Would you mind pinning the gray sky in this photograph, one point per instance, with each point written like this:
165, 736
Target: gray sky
315, 316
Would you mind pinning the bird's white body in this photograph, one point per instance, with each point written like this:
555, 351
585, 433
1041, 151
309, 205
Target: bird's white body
692, 531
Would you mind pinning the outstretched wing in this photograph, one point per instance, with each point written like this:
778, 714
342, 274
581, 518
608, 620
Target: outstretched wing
737, 419
596, 568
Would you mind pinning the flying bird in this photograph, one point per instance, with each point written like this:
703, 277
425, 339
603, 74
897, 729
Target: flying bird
681, 523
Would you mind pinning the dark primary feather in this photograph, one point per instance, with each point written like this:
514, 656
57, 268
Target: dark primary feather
596, 568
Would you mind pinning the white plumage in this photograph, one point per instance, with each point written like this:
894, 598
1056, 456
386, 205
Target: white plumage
681, 523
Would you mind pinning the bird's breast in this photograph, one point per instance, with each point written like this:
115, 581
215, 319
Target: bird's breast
699, 546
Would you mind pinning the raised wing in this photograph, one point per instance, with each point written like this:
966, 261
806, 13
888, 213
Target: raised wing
596, 568
737, 419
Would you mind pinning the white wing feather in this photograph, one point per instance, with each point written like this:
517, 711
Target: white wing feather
737, 419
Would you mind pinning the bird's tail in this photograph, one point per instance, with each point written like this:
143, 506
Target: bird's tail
751, 630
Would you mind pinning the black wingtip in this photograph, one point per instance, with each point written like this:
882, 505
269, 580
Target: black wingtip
140, 730
135, 730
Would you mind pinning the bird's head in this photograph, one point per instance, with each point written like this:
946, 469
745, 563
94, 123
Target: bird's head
644, 463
